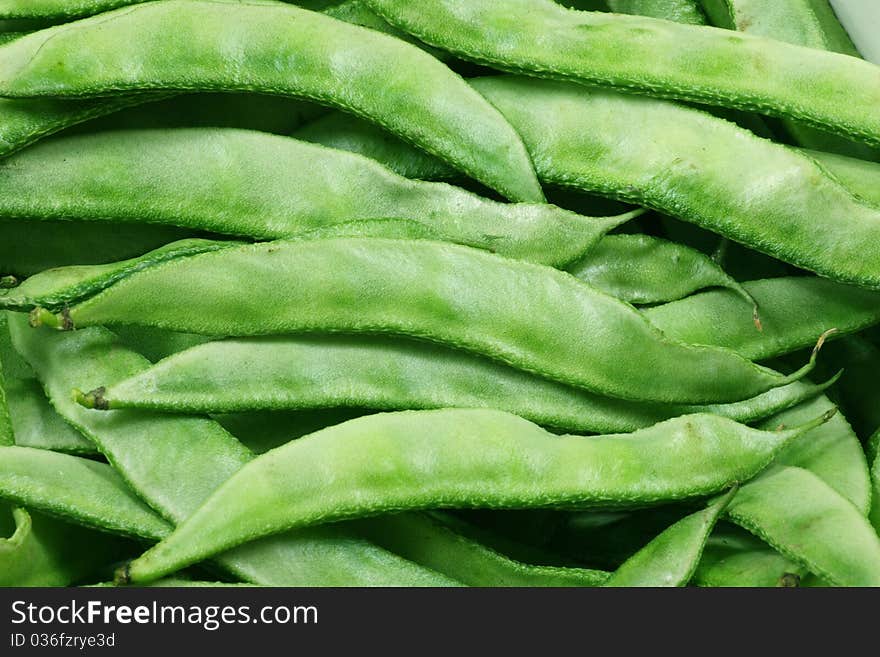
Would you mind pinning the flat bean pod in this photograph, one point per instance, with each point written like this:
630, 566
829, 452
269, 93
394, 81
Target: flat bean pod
82, 491
642, 269
697, 167
694, 63
139, 176
43, 551
374, 372
788, 504
860, 177
59, 287
672, 557
793, 311
740, 560
359, 286
277, 49
174, 463
460, 458
424, 539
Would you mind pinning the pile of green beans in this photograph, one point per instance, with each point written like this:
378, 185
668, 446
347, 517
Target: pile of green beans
447, 293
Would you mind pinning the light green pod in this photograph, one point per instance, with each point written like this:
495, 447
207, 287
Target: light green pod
59, 287
460, 458
427, 540
687, 62
374, 372
794, 310
697, 167
672, 557
277, 49
532, 317
41, 551
741, 560
82, 491
174, 463
30, 247
860, 177
680, 11
216, 180
642, 269
75, 8
807, 521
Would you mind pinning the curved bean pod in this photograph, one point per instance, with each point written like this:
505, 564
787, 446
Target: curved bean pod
770, 197
788, 504
77, 8
174, 463
277, 49
374, 372
135, 176
792, 310
47, 552
82, 491
741, 560
59, 287
357, 286
428, 541
642, 269
694, 63
672, 557
459, 458
860, 177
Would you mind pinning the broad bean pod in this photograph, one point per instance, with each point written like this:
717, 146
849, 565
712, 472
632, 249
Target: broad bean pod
174, 463
671, 558
642, 269
135, 176
82, 491
43, 551
792, 310
460, 458
423, 289
740, 560
788, 504
374, 372
56, 288
172, 46
672, 60
427, 540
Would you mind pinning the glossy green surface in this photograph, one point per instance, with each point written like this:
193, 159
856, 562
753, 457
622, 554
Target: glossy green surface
460, 458
173, 46
532, 317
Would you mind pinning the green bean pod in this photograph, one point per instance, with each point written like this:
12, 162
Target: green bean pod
687, 62
83, 491
793, 311
460, 458
374, 372
680, 11
807, 521
44, 9
139, 176
731, 559
174, 463
532, 317
642, 269
423, 538
41, 551
59, 287
276, 49
672, 557
860, 177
